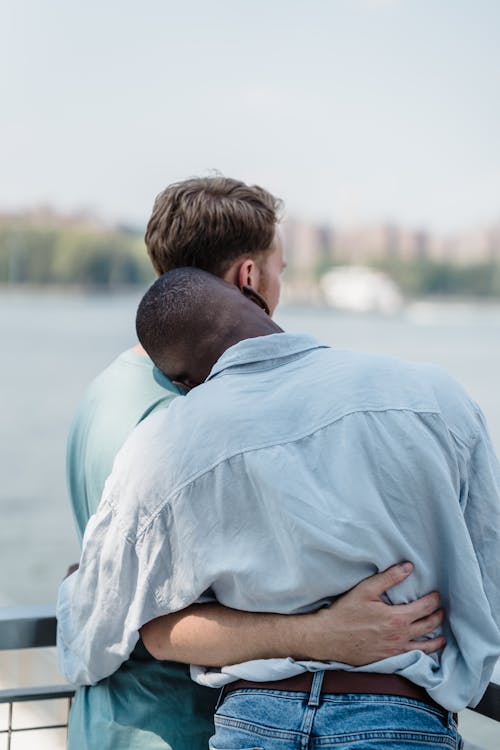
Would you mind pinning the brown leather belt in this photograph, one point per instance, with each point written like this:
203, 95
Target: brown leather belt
336, 681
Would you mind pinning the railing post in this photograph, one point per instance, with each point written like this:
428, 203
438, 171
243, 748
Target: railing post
9, 726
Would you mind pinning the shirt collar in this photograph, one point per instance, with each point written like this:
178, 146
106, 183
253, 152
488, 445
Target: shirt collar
276, 346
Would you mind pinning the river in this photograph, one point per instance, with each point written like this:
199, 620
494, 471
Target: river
53, 344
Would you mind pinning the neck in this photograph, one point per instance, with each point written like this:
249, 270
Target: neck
138, 349
248, 329
216, 348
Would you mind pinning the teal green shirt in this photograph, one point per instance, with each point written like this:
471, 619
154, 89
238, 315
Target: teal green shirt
115, 402
146, 704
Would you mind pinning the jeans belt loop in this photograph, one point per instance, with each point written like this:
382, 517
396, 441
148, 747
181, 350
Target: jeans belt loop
316, 689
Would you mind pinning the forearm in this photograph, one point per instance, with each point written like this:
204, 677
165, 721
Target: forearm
213, 635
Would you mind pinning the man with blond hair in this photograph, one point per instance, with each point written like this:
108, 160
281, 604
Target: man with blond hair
230, 229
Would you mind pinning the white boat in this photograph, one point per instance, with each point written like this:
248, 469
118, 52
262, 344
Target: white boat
360, 289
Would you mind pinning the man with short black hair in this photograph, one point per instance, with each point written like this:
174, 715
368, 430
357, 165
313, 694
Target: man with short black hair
281, 505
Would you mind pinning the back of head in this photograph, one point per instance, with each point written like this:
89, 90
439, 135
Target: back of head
208, 222
189, 317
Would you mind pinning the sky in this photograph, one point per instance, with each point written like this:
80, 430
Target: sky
350, 110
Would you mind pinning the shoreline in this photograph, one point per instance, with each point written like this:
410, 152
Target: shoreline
307, 296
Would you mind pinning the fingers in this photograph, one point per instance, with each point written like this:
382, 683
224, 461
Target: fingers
376, 585
420, 608
426, 625
428, 646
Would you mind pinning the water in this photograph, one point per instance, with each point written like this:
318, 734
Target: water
53, 344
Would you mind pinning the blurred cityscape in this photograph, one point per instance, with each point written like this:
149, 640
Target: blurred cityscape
44, 246
420, 261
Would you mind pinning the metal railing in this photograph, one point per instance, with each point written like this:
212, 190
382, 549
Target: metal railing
35, 627
23, 628
489, 704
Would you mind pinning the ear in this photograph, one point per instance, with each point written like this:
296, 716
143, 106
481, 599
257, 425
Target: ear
247, 274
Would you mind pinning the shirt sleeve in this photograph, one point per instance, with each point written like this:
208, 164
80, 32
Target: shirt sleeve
130, 572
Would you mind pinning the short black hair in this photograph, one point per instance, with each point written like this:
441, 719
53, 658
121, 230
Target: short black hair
179, 312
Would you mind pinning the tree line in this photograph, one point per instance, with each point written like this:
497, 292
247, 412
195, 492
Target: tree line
101, 258
424, 277
94, 257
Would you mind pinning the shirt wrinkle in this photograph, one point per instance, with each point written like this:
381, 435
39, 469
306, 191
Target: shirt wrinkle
255, 448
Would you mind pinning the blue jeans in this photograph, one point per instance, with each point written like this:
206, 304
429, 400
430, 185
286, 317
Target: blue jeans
262, 719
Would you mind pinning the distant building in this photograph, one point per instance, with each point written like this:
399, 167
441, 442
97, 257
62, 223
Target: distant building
311, 248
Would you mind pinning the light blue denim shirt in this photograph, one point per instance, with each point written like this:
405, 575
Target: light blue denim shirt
294, 472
